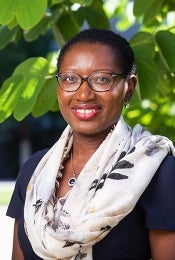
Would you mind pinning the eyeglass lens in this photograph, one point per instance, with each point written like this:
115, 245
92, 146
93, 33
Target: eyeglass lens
99, 82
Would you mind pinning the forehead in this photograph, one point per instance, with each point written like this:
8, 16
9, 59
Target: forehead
90, 53
92, 47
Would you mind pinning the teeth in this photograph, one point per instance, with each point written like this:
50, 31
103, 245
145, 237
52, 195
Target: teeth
86, 111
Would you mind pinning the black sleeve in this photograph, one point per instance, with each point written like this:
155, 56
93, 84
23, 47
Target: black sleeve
16, 204
158, 200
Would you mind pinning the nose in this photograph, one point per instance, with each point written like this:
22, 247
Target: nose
84, 92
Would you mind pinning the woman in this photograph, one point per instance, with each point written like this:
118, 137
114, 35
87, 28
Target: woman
104, 190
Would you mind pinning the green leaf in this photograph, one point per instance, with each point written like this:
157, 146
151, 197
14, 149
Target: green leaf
153, 11
56, 1
43, 26
67, 20
171, 5
31, 66
46, 98
166, 80
166, 44
19, 93
27, 13
12, 24
141, 6
143, 46
9, 93
7, 36
82, 2
34, 71
123, 24
28, 96
8, 10
94, 15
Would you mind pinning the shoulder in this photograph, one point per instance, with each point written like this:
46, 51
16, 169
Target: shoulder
26, 172
158, 198
16, 204
31, 163
29, 166
163, 181
168, 164
164, 177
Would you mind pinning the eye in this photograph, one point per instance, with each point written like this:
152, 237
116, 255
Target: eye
101, 79
68, 78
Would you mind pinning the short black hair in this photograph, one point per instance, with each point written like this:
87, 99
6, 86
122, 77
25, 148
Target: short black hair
119, 45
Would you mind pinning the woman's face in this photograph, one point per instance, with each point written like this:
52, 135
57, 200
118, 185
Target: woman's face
86, 111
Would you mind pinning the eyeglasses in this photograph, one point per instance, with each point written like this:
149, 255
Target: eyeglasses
99, 81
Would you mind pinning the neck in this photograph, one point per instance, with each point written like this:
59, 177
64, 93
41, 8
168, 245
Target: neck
85, 146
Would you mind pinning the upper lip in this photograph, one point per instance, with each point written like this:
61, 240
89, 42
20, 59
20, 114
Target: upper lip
86, 106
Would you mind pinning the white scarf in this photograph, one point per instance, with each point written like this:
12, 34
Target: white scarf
106, 190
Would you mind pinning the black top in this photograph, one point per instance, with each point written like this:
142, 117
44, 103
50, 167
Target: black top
129, 239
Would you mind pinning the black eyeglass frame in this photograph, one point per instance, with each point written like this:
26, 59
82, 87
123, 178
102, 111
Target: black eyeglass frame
119, 75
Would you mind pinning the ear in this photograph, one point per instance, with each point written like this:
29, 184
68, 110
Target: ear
131, 84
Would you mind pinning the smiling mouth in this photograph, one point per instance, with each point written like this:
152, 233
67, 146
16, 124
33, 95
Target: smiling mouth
85, 114
86, 111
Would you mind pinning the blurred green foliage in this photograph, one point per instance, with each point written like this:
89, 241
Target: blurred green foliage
30, 88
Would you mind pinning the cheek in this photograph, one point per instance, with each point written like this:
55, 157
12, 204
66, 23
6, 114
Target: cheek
61, 100
62, 97
115, 103
64, 100
116, 97
115, 107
